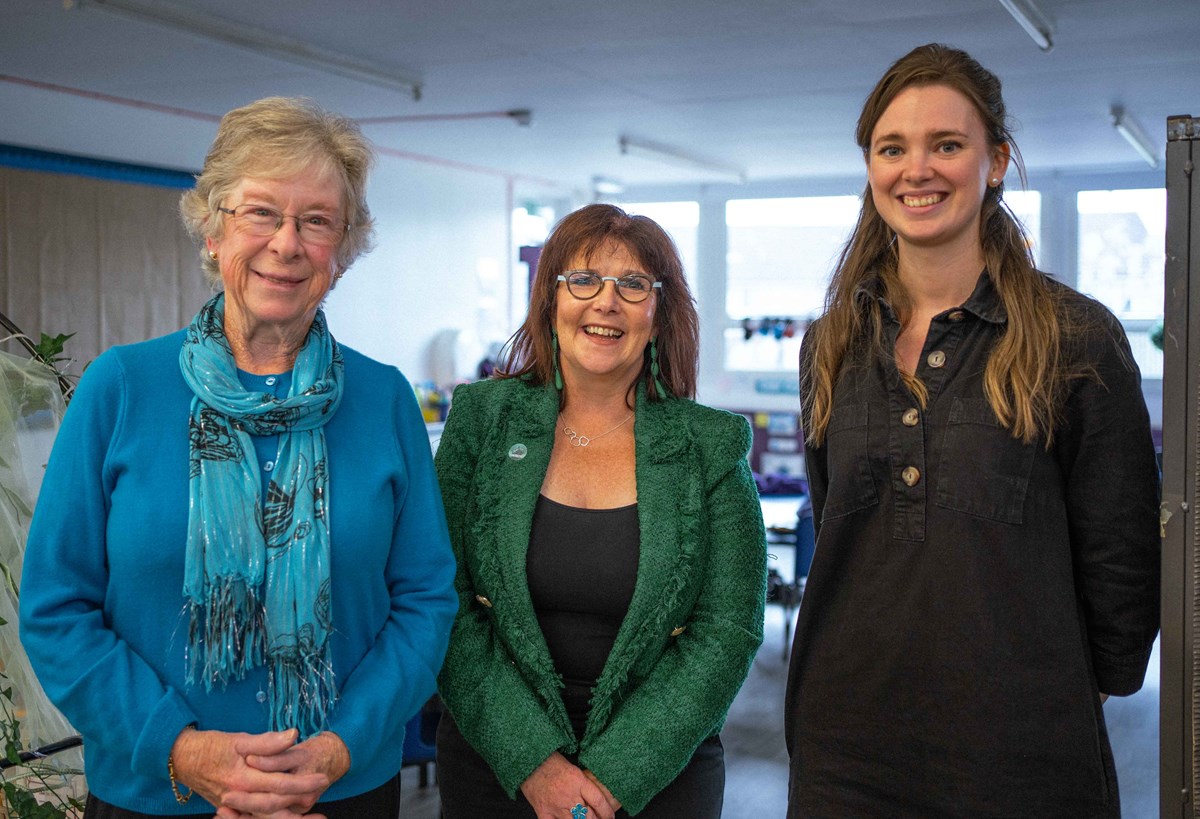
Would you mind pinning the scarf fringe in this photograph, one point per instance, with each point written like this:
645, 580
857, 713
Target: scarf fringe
226, 633
302, 691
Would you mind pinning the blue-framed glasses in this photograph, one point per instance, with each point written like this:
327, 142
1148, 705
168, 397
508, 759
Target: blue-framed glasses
633, 288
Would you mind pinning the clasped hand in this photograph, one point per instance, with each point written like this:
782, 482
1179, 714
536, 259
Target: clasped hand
259, 776
556, 786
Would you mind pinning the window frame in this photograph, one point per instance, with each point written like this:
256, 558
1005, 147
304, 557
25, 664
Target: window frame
770, 390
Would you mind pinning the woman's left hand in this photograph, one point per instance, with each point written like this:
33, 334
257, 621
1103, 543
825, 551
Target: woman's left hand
613, 802
324, 754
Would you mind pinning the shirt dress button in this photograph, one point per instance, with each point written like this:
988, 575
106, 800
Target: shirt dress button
937, 359
910, 475
268, 466
261, 696
910, 417
270, 381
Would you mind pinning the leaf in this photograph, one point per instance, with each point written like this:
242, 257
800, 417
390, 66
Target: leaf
50, 349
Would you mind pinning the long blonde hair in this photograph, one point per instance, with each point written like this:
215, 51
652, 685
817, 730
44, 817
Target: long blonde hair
1025, 375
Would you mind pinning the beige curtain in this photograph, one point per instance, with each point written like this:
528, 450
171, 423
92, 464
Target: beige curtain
108, 261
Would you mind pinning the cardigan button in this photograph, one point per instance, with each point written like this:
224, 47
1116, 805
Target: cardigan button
517, 452
483, 601
675, 632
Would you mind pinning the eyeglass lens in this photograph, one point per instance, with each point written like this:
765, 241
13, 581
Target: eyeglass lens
261, 220
587, 285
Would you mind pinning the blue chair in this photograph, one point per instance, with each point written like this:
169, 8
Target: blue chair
803, 541
420, 737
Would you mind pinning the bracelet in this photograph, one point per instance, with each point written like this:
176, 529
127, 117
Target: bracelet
181, 798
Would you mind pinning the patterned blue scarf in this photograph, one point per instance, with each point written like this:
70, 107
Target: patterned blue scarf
257, 575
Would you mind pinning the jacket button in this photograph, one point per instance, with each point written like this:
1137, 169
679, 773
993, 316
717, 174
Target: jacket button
957, 315
910, 417
483, 601
910, 475
937, 359
675, 632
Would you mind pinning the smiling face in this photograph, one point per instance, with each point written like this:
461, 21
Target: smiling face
602, 340
929, 165
274, 284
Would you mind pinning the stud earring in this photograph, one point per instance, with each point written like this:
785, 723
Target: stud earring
995, 181
212, 254
658, 387
554, 358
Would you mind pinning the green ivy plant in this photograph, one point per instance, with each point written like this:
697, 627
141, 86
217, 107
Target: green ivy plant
50, 350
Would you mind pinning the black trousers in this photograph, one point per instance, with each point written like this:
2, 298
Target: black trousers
469, 789
381, 803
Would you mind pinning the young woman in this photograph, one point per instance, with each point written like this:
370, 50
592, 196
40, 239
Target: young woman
984, 486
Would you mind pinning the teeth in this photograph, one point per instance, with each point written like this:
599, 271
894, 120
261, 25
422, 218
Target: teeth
603, 331
922, 201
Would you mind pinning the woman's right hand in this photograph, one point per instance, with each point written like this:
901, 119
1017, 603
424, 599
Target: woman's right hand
213, 763
556, 786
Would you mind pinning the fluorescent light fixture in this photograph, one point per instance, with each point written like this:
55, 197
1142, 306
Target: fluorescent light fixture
255, 40
607, 186
1031, 18
1134, 135
521, 116
677, 156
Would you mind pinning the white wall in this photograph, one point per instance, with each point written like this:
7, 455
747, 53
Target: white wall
441, 263
441, 260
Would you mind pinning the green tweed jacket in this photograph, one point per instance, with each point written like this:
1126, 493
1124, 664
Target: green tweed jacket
692, 628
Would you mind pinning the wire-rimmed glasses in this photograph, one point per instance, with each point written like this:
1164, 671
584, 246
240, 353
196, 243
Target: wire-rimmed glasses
633, 287
314, 228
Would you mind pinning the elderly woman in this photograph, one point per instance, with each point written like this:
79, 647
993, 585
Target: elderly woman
238, 583
610, 545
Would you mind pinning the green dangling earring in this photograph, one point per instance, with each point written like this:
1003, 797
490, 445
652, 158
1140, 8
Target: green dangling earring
658, 387
554, 358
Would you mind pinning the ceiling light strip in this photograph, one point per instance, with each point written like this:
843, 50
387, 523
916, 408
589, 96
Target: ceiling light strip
1134, 135
678, 156
1033, 20
258, 41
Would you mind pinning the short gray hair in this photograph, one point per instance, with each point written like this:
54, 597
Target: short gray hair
277, 137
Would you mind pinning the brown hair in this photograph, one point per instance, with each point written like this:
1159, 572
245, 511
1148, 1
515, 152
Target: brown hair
277, 137
529, 353
1024, 379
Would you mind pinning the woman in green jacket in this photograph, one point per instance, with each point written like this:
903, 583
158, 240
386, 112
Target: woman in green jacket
610, 545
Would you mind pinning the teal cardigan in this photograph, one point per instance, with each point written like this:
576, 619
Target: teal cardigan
692, 628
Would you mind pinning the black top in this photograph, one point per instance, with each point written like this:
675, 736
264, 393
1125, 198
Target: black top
970, 594
582, 567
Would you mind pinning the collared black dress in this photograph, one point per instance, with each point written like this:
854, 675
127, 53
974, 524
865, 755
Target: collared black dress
970, 595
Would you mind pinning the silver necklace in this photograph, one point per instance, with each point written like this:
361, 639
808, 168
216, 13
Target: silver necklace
584, 440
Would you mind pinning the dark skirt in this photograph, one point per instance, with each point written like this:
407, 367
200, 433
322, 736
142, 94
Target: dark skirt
469, 789
381, 803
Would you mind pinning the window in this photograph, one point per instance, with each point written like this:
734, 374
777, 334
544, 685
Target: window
1121, 250
1122, 259
1027, 207
681, 220
780, 255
